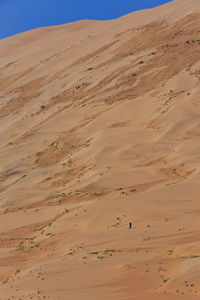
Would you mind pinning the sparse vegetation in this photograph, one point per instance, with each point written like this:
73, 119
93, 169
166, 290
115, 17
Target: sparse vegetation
99, 195
170, 251
27, 244
60, 195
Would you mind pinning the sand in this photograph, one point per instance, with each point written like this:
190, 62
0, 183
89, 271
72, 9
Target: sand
99, 127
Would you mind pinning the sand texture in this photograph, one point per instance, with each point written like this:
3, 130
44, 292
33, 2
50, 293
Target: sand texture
99, 127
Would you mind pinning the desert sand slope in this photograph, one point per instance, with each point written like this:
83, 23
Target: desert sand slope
99, 127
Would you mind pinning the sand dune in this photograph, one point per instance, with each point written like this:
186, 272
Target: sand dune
99, 127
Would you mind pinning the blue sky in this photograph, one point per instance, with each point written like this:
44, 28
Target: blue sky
21, 15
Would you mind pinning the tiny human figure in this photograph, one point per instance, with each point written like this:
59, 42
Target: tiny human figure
130, 225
